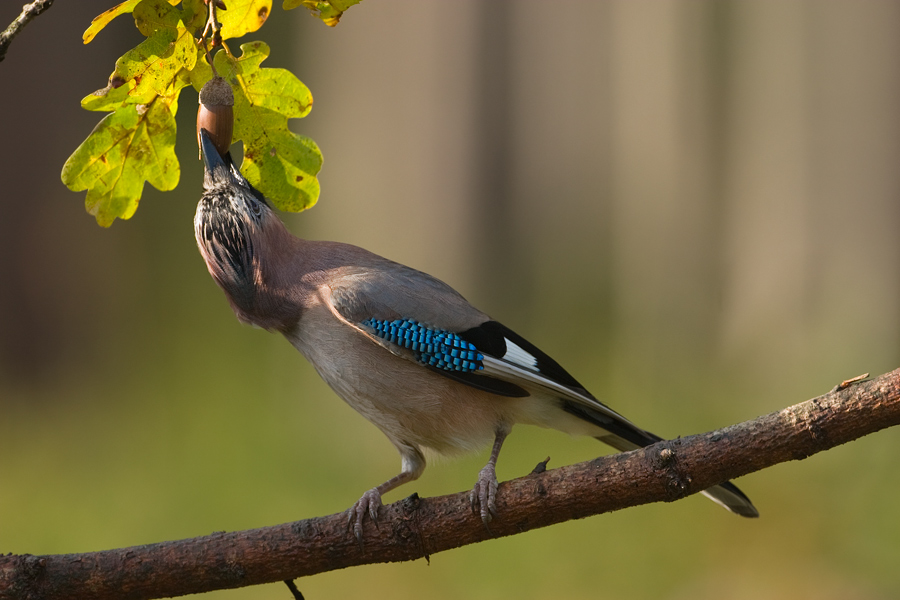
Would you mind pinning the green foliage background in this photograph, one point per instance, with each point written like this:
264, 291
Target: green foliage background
691, 205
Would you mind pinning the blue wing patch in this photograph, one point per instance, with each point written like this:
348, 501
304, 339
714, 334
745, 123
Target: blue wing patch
433, 347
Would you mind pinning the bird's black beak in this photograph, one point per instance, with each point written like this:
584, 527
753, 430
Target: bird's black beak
221, 169
218, 169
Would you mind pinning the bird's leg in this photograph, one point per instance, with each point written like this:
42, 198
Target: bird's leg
483, 497
412, 465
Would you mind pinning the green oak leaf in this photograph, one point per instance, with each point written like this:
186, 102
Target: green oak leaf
152, 16
155, 63
103, 19
243, 17
194, 15
134, 144
109, 98
329, 11
281, 163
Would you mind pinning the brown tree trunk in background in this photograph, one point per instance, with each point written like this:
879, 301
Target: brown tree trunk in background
503, 259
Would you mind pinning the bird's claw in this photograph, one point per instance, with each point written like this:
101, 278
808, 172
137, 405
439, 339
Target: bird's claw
483, 496
370, 503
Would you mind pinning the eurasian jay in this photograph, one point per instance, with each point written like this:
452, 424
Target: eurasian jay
401, 347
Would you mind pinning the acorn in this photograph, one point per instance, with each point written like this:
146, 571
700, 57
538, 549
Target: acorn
216, 113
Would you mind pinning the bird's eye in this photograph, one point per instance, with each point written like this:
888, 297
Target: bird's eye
254, 207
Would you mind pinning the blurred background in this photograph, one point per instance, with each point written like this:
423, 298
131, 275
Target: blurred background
692, 205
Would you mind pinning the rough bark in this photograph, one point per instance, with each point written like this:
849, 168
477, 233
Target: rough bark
414, 528
29, 11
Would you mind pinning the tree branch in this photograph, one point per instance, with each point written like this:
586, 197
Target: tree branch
29, 11
414, 528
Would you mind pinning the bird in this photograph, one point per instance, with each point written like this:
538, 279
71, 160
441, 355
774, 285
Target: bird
402, 348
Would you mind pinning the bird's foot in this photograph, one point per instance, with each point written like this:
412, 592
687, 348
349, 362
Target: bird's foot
369, 503
483, 496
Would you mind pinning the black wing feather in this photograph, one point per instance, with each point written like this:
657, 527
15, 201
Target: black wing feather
490, 338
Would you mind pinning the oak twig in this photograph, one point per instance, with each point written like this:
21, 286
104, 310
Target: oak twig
29, 11
415, 528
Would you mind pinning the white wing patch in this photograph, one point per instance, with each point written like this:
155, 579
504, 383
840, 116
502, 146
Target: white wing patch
518, 355
529, 376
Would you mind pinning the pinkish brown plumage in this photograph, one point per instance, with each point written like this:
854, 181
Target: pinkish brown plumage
401, 347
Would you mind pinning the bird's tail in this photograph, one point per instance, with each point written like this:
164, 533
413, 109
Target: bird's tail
624, 436
731, 497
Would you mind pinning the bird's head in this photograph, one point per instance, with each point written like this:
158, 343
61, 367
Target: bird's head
229, 224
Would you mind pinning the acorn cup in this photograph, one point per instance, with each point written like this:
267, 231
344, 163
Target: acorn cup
216, 113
